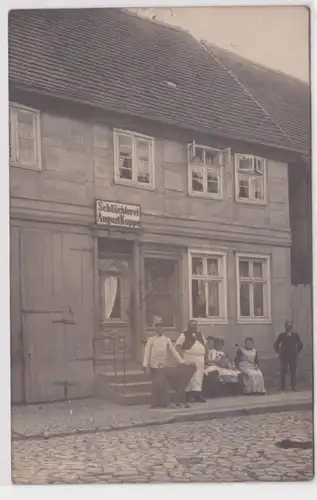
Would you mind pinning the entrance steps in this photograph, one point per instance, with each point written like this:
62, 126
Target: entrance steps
137, 387
134, 390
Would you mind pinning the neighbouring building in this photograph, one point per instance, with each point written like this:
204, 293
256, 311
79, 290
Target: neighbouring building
287, 101
145, 180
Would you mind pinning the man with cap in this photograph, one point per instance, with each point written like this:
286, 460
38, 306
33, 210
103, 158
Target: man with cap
155, 363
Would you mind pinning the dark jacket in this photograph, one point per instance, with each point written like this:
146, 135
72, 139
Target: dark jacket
288, 346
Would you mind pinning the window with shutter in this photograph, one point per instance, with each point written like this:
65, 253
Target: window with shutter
24, 137
134, 159
250, 176
206, 167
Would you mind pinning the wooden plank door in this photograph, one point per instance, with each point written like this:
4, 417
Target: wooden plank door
44, 358
43, 339
117, 311
79, 328
57, 314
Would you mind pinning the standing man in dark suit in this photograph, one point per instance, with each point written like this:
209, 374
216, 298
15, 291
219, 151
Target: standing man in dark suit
288, 345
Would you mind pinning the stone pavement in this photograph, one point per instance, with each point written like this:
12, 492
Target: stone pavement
241, 448
93, 415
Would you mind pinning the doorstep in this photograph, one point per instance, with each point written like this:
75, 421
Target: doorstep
92, 415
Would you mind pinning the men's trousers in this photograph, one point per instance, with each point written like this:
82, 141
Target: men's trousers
160, 387
288, 364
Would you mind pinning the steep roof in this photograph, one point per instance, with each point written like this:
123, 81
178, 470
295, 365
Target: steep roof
284, 98
118, 61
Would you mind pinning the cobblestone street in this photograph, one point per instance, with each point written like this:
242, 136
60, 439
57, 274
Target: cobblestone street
220, 450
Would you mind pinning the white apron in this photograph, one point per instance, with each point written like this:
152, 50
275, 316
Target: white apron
196, 355
252, 376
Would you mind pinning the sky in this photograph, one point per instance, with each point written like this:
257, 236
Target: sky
277, 37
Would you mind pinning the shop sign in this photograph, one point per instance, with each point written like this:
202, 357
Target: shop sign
111, 213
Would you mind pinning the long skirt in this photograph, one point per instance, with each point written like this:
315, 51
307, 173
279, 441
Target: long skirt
252, 378
196, 382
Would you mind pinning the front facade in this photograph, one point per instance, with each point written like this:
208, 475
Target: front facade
116, 221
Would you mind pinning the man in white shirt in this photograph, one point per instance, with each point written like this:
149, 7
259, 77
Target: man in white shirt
155, 362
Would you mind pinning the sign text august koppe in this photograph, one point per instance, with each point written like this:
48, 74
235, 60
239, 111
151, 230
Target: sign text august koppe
117, 214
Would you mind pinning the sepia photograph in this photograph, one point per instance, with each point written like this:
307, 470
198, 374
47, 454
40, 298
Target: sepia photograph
161, 265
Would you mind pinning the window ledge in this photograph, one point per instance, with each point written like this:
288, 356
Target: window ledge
207, 196
133, 184
113, 322
254, 321
251, 202
210, 321
35, 168
166, 328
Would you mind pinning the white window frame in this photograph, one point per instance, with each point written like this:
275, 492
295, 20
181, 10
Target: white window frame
250, 174
15, 156
223, 299
267, 319
133, 182
218, 170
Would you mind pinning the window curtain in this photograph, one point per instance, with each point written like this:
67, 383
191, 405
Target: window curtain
109, 294
213, 299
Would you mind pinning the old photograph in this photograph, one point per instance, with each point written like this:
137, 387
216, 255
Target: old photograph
160, 245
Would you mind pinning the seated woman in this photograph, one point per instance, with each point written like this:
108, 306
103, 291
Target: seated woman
221, 376
248, 363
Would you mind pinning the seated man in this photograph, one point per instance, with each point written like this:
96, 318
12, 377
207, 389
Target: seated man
221, 376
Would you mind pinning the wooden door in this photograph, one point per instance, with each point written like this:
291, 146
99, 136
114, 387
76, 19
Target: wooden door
44, 358
116, 310
57, 314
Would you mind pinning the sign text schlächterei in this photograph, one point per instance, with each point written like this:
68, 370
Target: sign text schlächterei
111, 213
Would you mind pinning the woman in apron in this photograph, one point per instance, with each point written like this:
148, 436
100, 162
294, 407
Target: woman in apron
192, 346
248, 363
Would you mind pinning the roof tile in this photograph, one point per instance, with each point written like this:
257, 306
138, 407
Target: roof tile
285, 99
119, 61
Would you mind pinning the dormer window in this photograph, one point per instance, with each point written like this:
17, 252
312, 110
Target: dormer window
205, 165
250, 179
